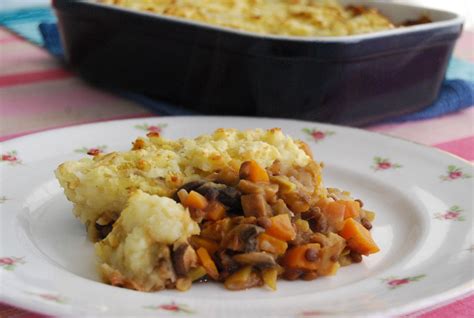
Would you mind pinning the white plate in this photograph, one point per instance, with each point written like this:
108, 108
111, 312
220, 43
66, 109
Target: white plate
423, 200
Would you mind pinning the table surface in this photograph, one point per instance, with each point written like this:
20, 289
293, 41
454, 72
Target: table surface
37, 94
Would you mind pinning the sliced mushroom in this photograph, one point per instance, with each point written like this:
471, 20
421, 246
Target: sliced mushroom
184, 258
226, 264
242, 238
255, 205
258, 259
230, 197
210, 190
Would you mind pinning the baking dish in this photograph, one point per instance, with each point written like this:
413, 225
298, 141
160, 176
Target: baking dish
352, 80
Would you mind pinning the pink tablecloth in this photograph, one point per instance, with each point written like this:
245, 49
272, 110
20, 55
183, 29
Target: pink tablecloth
36, 93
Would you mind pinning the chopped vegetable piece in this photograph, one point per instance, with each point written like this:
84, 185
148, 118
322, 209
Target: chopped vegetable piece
335, 213
252, 171
334, 267
182, 195
242, 279
216, 230
269, 276
197, 273
271, 244
281, 228
295, 258
208, 244
242, 238
345, 260
258, 259
296, 202
352, 209
255, 205
302, 225
184, 258
215, 211
285, 185
358, 237
208, 263
369, 215
280, 208
195, 200
183, 283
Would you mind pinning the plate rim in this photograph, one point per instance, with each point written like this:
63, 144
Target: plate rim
152, 117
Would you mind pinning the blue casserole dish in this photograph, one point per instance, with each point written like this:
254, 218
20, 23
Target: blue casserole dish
352, 80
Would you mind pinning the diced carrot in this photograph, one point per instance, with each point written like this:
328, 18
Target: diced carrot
322, 203
296, 257
215, 211
195, 200
271, 244
335, 209
252, 171
358, 238
207, 263
281, 227
352, 208
334, 212
208, 244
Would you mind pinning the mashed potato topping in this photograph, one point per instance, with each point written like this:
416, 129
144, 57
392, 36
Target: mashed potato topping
100, 187
137, 248
281, 17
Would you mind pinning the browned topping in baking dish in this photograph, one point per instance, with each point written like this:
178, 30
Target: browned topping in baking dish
244, 209
279, 17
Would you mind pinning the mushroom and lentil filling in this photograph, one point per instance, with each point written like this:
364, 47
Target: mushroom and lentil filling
238, 207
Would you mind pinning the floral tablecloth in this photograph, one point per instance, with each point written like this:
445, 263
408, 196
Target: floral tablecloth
36, 94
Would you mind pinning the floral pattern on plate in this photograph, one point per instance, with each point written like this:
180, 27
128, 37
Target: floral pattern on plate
384, 164
10, 157
10, 263
318, 135
50, 297
315, 313
395, 282
158, 128
172, 307
453, 214
94, 151
454, 173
